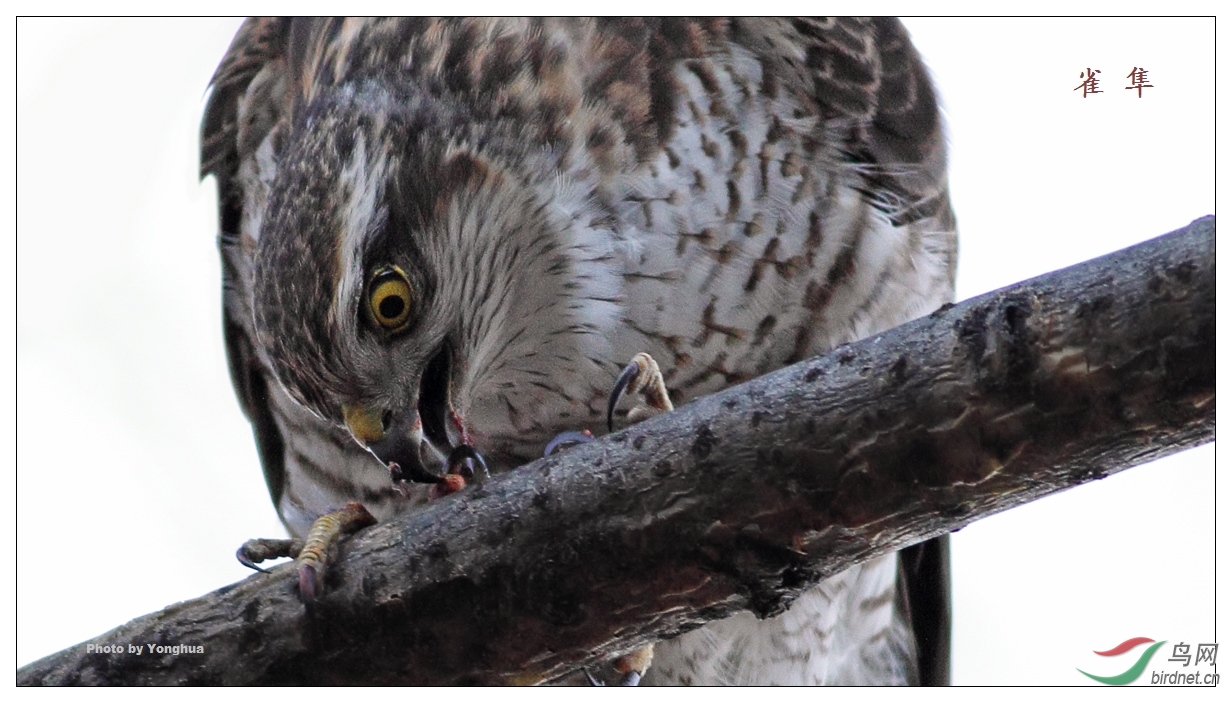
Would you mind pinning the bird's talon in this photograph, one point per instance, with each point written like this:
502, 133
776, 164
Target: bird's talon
464, 467
633, 665
467, 462
255, 551
239, 555
313, 558
590, 678
307, 584
641, 376
625, 378
567, 439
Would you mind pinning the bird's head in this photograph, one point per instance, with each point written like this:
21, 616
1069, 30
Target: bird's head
406, 273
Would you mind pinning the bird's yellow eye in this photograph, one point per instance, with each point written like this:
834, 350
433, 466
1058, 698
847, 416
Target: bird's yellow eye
389, 298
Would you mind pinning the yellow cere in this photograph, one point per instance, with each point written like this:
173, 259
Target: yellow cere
363, 422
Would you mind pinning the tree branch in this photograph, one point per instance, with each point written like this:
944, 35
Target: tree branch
737, 501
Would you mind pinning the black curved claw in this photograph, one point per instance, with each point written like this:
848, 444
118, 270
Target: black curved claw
241, 555
622, 384
467, 462
590, 678
307, 575
255, 551
565, 439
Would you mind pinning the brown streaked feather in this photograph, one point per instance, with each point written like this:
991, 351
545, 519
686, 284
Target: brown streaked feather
258, 42
855, 68
867, 71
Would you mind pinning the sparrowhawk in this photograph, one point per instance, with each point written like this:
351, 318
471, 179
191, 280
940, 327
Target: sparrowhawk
454, 233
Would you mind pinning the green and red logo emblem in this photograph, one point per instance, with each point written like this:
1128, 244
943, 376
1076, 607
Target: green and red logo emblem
1132, 673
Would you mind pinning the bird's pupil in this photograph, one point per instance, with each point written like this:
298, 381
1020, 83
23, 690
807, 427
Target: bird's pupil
391, 306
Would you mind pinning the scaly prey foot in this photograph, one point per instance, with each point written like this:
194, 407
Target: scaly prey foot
465, 466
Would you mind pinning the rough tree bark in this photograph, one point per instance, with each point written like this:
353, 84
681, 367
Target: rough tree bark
739, 500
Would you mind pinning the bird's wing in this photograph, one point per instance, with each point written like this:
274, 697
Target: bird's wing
863, 72
256, 49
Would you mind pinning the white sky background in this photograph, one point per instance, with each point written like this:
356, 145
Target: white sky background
136, 472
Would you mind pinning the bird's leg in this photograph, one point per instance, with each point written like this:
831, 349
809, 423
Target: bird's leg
324, 533
311, 554
633, 665
641, 376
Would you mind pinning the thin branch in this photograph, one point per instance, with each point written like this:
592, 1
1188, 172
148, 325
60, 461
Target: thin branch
737, 501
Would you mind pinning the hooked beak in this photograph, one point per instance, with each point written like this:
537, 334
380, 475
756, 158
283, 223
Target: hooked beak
401, 438
395, 439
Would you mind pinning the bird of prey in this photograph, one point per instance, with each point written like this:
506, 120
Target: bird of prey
454, 233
